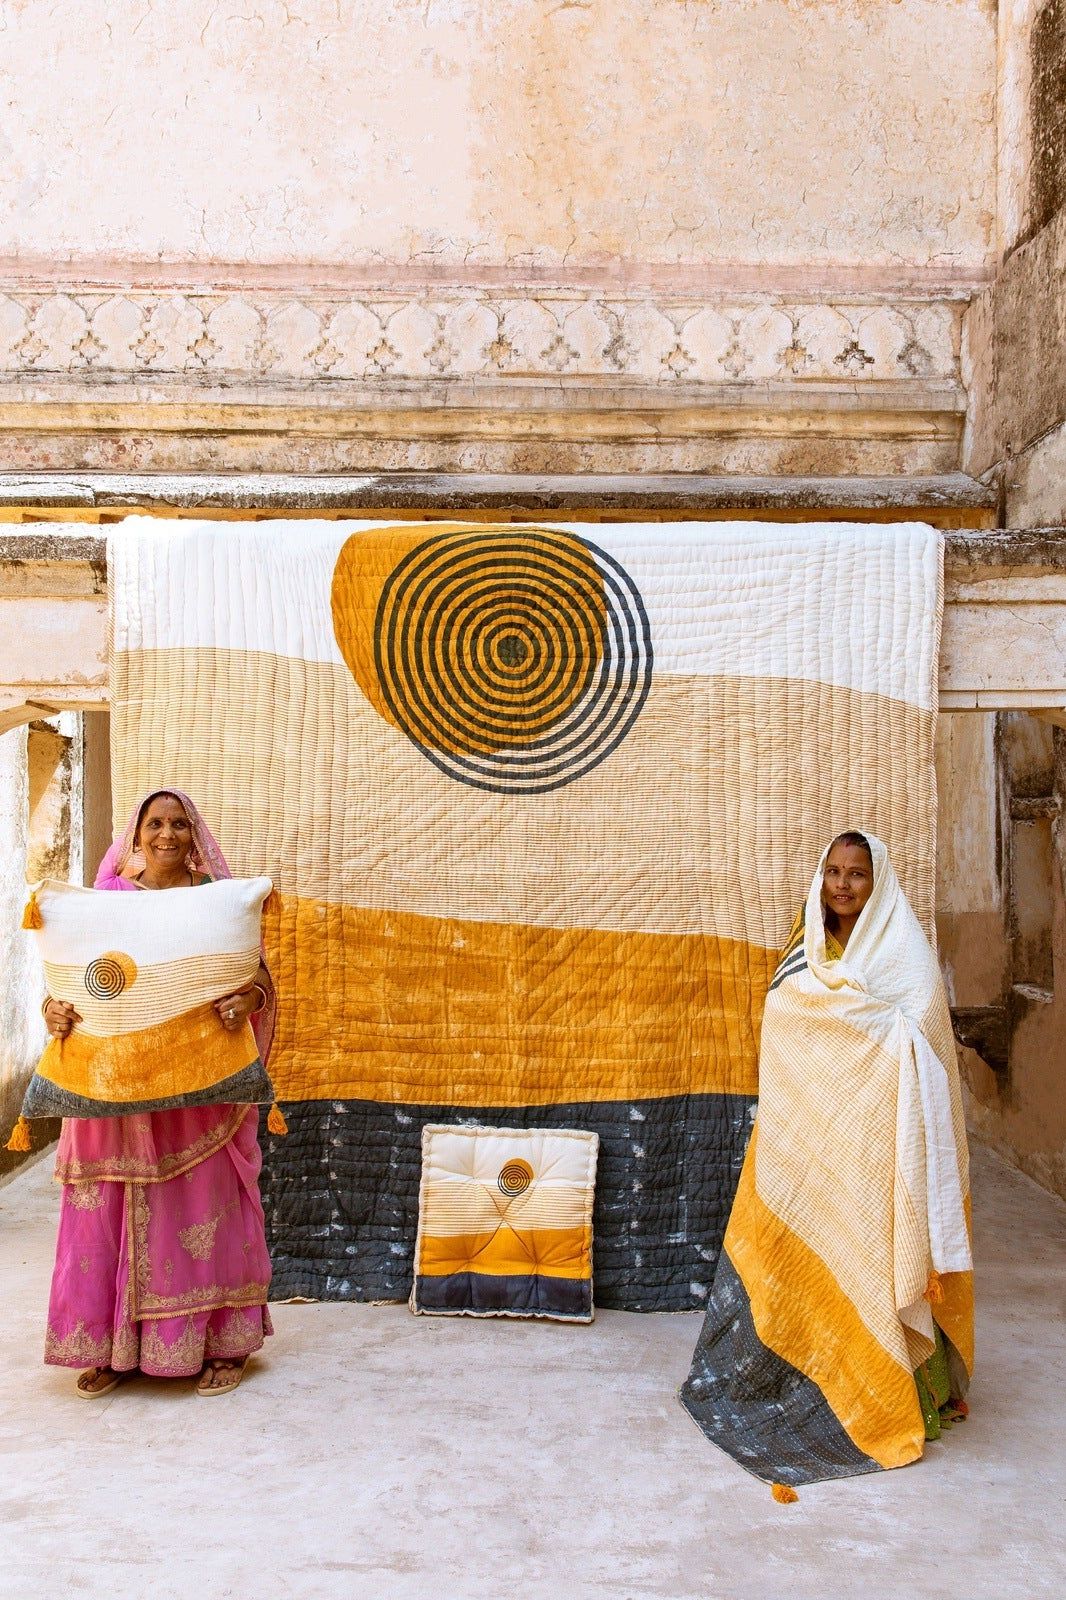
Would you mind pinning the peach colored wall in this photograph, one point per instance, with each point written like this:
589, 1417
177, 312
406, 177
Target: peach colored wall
457, 136
1014, 83
1022, 1111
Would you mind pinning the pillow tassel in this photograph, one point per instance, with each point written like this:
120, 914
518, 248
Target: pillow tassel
31, 917
276, 1121
783, 1494
20, 1141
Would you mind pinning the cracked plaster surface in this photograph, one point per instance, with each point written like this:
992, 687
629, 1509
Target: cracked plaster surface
459, 133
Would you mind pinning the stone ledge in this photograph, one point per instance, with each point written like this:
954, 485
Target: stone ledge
457, 428
57, 400
1004, 553
1004, 643
968, 555
680, 494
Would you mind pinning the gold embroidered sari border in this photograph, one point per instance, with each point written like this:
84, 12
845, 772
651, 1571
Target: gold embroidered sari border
255, 1294
78, 1348
172, 1166
145, 1304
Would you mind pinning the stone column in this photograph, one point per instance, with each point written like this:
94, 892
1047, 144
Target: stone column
96, 790
22, 1034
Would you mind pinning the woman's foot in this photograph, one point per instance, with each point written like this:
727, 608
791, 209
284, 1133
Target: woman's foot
95, 1382
220, 1377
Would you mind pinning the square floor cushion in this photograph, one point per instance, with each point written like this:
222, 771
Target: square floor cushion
505, 1223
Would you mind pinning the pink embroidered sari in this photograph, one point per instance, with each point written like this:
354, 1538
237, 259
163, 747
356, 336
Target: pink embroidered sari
161, 1260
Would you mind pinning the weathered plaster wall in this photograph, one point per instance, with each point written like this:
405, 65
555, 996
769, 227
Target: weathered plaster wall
718, 236
1014, 94
1015, 330
447, 235
451, 135
1036, 480
1014, 365
1001, 924
49, 764
1017, 1101
969, 891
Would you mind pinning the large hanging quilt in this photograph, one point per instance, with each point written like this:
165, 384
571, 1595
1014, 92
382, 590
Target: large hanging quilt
539, 803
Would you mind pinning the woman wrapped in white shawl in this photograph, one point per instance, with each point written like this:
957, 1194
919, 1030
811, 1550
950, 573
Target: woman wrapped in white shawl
839, 1334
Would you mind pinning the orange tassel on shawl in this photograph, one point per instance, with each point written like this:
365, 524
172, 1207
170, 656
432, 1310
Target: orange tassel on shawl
31, 917
783, 1494
20, 1141
934, 1289
276, 1121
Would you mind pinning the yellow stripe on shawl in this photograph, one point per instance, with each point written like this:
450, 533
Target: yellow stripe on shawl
802, 1315
954, 1312
391, 1006
173, 1058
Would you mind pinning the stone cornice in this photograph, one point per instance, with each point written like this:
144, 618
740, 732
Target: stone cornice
952, 500
864, 279
551, 334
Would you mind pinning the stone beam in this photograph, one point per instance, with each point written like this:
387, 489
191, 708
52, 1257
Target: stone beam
53, 625
1004, 640
114, 372
1004, 637
946, 500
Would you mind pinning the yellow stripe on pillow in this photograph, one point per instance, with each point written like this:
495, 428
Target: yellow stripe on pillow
184, 1056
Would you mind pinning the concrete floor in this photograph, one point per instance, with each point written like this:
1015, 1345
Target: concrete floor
372, 1453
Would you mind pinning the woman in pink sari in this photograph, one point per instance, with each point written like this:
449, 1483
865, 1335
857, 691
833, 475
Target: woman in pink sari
161, 1262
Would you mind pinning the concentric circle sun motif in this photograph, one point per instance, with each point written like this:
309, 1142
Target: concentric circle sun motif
515, 1177
109, 974
515, 659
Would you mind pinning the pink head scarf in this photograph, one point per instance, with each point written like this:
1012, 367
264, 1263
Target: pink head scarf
205, 856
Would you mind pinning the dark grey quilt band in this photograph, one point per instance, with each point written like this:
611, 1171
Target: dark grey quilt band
341, 1193
756, 1407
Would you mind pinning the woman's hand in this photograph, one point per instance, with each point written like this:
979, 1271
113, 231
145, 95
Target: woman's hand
59, 1017
235, 1009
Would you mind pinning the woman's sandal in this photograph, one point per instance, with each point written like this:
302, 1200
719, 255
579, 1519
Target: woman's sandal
86, 1389
232, 1371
